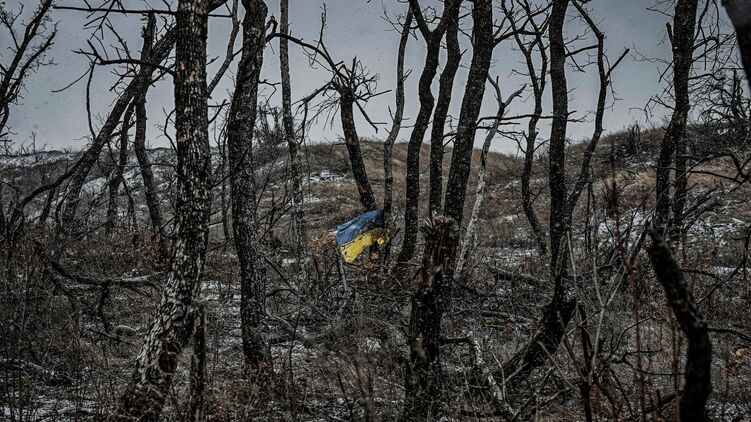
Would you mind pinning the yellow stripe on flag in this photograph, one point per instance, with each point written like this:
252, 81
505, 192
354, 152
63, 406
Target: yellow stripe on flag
351, 250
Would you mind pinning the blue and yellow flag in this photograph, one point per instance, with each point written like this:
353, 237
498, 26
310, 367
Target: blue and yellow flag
354, 236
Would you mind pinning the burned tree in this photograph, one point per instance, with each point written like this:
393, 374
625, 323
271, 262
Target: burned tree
143, 74
139, 141
469, 234
557, 149
673, 146
118, 169
293, 144
423, 378
474, 91
432, 38
698, 373
353, 85
559, 311
240, 129
28, 54
537, 79
398, 115
437, 132
173, 322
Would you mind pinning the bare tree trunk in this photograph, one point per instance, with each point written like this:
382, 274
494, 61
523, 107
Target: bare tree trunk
538, 89
139, 142
445, 88
118, 170
388, 145
197, 368
685, 23
295, 165
425, 95
469, 234
559, 311
461, 159
352, 140
240, 129
698, 373
557, 151
423, 378
674, 140
51, 195
147, 174
172, 325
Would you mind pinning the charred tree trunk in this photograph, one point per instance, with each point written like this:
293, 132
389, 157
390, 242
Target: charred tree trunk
674, 140
352, 140
45, 214
559, 311
423, 379
557, 152
396, 125
445, 87
537, 81
139, 142
144, 164
461, 159
118, 170
293, 144
197, 383
240, 129
425, 95
698, 374
172, 326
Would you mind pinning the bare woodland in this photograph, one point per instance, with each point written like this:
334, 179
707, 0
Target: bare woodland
602, 278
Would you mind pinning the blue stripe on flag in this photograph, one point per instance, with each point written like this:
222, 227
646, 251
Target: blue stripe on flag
362, 223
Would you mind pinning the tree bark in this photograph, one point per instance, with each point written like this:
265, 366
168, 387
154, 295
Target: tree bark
674, 140
240, 129
197, 383
293, 145
425, 95
118, 170
139, 142
469, 234
423, 378
538, 89
388, 145
698, 373
147, 174
461, 159
557, 150
560, 309
445, 88
352, 140
172, 325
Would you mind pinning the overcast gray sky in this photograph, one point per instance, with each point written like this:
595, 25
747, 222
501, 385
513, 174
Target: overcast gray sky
355, 28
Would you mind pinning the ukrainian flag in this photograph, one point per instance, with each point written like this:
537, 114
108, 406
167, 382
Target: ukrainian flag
354, 236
